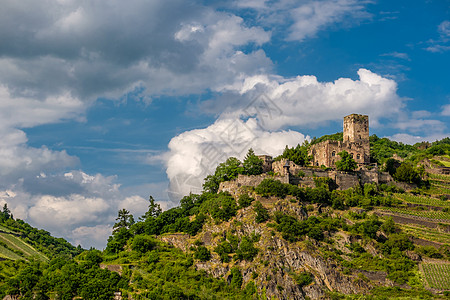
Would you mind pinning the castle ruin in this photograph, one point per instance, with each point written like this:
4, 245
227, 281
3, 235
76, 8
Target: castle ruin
355, 142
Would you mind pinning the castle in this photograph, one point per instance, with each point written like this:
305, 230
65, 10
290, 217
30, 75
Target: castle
355, 142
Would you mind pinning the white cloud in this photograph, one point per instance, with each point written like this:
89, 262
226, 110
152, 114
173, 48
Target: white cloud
313, 16
446, 110
194, 154
74, 205
400, 55
304, 101
412, 139
440, 45
106, 49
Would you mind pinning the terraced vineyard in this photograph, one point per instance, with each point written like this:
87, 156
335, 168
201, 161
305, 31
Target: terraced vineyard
17, 244
433, 215
424, 200
426, 233
441, 177
437, 275
8, 254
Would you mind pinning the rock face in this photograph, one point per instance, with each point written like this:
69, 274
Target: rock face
278, 262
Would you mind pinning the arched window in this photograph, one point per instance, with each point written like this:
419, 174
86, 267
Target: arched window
333, 154
358, 156
317, 163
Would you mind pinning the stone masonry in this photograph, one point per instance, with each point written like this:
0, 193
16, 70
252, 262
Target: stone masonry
355, 142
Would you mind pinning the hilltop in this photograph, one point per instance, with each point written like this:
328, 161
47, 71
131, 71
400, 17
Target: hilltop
305, 237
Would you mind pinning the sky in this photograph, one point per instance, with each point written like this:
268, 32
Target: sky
104, 103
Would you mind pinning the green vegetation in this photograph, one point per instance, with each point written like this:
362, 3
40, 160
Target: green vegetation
437, 275
298, 155
346, 163
347, 229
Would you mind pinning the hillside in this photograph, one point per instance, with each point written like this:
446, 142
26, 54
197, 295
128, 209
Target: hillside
268, 239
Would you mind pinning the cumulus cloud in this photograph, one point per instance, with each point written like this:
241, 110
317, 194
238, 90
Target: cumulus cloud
194, 154
75, 205
110, 48
410, 139
278, 102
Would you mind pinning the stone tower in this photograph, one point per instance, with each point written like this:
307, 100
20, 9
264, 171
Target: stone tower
356, 128
356, 131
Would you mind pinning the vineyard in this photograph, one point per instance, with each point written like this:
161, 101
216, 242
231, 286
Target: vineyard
437, 216
423, 200
19, 247
426, 233
437, 275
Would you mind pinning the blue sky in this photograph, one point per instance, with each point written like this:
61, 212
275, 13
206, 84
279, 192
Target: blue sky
106, 103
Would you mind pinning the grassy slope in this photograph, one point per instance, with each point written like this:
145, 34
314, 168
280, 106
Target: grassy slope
16, 243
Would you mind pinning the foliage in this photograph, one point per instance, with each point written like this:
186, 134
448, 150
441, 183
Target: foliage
262, 214
383, 149
154, 209
339, 136
202, 253
142, 243
246, 250
124, 220
303, 279
225, 171
407, 173
271, 187
292, 229
346, 163
236, 280
245, 201
252, 164
298, 155
62, 276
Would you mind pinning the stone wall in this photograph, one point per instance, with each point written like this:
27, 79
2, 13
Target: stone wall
234, 186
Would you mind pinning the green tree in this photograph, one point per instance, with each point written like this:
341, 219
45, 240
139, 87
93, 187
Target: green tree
6, 213
124, 220
229, 169
262, 214
346, 163
252, 164
154, 209
298, 155
407, 173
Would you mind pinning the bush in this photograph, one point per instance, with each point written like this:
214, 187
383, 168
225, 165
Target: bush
236, 277
202, 253
246, 250
262, 214
271, 187
407, 173
143, 244
304, 278
245, 200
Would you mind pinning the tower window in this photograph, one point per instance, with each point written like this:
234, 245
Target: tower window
358, 156
333, 153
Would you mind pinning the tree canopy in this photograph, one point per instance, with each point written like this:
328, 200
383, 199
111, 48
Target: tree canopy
346, 163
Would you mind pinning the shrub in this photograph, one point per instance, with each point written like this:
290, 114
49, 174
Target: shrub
262, 214
245, 200
236, 277
271, 187
202, 253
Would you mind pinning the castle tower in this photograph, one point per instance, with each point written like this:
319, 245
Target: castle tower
356, 128
356, 131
